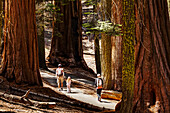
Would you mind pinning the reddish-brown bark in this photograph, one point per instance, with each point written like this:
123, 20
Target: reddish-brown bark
117, 47
66, 47
20, 56
152, 54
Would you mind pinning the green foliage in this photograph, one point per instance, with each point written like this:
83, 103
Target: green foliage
97, 24
107, 27
103, 27
89, 2
45, 12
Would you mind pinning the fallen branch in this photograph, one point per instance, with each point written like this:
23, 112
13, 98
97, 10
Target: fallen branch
19, 99
109, 94
26, 94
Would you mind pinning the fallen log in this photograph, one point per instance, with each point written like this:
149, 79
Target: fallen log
109, 94
19, 99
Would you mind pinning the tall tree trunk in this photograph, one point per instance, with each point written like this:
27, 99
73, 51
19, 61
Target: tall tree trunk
97, 54
128, 69
66, 46
117, 47
106, 61
20, 56
152, 57
96, 42
106, 48
40, 37
41, 47
1, 18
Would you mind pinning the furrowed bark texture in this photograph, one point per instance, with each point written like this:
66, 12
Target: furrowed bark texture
152, 56
128, 60
106, 48
20, 56
106, 61
66, 47
117, 47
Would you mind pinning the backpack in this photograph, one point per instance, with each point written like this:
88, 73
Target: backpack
59, 72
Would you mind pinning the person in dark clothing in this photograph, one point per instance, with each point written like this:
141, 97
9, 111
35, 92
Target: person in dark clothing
99, 86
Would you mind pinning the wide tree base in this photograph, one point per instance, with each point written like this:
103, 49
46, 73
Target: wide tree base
68, 62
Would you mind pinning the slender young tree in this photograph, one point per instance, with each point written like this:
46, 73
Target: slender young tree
97, 54
128, 69
20, 56
152, 57
96, 41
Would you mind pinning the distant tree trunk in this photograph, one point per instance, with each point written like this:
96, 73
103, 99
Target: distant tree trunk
96, 43
41, 47
106, 49
40, 36
106, 61
97, 54
66, 46
20, 56
128, 69
152, 57
1, 18
117, 47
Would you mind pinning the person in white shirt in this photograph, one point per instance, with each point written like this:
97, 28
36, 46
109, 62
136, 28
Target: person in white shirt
60, 76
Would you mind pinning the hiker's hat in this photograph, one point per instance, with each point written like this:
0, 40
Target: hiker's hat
59, 65
98, 75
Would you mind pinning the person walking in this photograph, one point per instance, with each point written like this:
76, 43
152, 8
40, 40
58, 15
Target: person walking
69, 84
60, 76
99, 86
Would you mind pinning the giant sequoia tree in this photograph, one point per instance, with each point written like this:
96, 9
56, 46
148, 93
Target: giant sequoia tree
128, 55
20, 56
66, 46
152, 54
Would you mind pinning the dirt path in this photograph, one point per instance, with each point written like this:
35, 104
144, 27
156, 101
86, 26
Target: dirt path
86, 94
15, 107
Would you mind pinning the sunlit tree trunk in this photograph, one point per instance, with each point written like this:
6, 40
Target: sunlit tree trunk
106, 48
66, 46
128, 69
106, 61
20, 56
152, 57
117, 46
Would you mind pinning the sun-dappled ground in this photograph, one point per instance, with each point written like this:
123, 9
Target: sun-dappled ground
9, 106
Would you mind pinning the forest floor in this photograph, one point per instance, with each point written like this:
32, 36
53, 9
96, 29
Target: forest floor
83, 96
